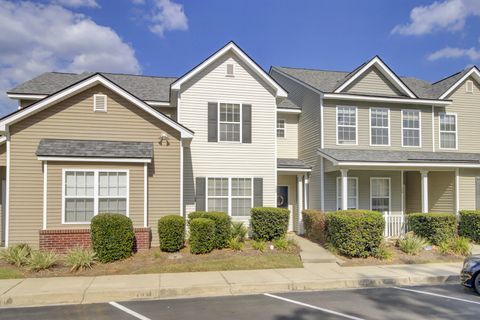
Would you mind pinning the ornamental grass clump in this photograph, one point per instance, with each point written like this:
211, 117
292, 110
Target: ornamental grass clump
16, 255
80, 258
412, 244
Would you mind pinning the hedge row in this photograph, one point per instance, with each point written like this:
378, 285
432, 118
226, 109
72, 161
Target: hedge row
202, 235
315, 225
469, 225
436, 227
222, 226
269, 223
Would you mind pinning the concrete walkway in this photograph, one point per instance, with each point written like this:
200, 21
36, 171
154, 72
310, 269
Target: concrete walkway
312, 252
314, 276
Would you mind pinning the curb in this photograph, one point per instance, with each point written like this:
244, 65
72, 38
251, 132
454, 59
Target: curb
93, 296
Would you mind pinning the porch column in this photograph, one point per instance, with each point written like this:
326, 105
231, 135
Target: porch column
300, 201
305, 191
344, 179
424, 180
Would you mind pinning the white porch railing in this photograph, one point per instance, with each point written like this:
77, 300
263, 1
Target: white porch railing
394, 226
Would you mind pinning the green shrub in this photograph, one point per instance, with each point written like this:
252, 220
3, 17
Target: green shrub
383, 252
469, 225
202, 235
41, 260
235, 245
171, 233
281, 244
80, 258
456, 245
412, 244
112, 236
17, 255
435, 227
355, 233
222, 225
259, 245
315, 224
238, 231
269, 223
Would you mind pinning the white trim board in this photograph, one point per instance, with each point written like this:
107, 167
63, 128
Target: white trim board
292, 111
26, 96
86, 159
340, 96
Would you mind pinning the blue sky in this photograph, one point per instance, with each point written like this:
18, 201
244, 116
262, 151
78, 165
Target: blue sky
425, 39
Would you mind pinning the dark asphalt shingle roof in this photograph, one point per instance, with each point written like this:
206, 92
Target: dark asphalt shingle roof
398, 156
94, 149
289, 163
288, 104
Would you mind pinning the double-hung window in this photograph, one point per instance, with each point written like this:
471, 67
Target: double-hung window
380, 195
379, 126
230, 195
280, 128
448, 131
89, 192
346, 125
411, 128
230, 122
352, 193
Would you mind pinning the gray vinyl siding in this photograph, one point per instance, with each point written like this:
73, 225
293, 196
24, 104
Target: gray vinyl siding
373, 82
363, 125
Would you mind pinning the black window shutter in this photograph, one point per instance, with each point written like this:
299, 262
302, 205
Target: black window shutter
258, 192
247, 123
200, 194
212, 122
477, 193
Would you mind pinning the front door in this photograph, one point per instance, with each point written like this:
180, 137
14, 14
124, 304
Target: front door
282, 202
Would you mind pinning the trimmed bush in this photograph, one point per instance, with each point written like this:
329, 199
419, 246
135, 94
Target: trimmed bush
469, 225
202, 235
171, 233
355, 233
269, 223
112, 236
195, 214
315, 224
222, 225
435, 227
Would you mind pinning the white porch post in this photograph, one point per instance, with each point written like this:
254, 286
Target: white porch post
424, 179
305, 191
457, 191
300, 201
344, 205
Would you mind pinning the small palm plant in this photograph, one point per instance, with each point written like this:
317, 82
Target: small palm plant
412, 244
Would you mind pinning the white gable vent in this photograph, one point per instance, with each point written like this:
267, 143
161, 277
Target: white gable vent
469, 86
230, 70
99, 103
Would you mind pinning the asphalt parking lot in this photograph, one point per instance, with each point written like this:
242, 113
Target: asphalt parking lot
420, 302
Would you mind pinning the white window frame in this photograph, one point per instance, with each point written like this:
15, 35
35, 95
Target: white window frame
95, 109
389, 192
469, 85
96, 196
284, 128
419, 128
230, 197
388, 128
440, 131
356, 125
339, 182
218, 122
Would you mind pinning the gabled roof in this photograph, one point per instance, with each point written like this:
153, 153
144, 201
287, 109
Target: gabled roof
231, 47
84, 84
448, 85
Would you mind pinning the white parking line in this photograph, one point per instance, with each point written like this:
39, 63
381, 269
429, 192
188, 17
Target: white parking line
437, 295
313, 307
129, 311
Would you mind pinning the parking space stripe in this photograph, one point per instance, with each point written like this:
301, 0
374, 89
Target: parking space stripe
437, 295
129, 311
314, 307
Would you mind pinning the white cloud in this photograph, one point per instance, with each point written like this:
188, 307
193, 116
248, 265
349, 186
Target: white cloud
448, 15
36, 38
77, 3
167, 16
451, 53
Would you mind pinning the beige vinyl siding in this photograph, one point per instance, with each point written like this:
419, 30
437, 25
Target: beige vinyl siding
373, 82
74, 119
441, 191
467, 188
309, 131
2, 178
3, 154
413, 192
54, 187
287, 147
231, 159
364, 188
467, 107
363, 125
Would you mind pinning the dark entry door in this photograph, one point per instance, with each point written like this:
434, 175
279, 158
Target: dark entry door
282, 197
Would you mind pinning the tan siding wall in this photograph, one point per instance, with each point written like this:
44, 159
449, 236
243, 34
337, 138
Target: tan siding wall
203, 158
413, 192
2, 177
467, 108
287, 147
74, 119
375, 83
467, 188
3, 154
363, 126
441, 191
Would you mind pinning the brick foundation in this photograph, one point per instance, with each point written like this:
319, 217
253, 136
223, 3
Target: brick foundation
63, 240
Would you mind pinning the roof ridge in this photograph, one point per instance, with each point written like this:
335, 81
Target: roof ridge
137, 75
448, 77
311, 69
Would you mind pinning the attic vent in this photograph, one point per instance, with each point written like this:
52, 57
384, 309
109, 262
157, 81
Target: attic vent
99, 103
230, 70
469, 86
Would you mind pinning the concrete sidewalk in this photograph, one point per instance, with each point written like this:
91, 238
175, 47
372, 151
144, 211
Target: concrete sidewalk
314, 276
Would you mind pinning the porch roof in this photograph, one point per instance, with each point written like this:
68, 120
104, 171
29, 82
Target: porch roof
291, 163
398, 157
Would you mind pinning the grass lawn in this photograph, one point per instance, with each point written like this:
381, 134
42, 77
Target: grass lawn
155, 261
